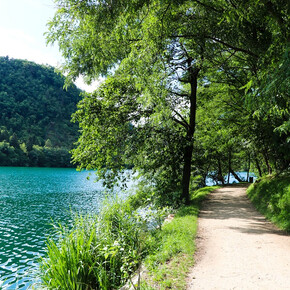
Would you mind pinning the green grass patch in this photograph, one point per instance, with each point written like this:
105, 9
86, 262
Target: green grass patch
200, 194
271, 196
169, 264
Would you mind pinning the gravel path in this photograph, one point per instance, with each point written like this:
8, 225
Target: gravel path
237, 248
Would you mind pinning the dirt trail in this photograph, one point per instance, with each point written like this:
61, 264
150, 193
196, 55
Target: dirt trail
237, 248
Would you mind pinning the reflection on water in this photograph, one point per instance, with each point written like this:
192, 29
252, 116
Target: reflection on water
30, 198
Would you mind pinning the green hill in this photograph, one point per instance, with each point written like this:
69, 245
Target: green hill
35, 113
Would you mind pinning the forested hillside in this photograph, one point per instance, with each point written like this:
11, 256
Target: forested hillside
35, 127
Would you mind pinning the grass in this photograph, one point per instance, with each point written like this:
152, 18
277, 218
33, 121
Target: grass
169, 264
104, 251
271, 196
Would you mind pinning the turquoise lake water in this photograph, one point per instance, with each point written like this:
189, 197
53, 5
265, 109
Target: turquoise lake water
30, 199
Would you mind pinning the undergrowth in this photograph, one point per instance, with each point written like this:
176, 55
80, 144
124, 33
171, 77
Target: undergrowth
97, 253
104, 251
271, 196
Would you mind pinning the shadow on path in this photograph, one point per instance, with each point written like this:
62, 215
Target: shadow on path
227, 204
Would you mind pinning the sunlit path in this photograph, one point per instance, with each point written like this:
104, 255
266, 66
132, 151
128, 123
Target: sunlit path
237, 247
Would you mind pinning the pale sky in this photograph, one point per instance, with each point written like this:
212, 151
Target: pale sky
22, 25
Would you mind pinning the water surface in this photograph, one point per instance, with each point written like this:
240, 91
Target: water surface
241, 174
30, 199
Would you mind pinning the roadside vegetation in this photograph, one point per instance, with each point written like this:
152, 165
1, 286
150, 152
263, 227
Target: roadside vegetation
271, 196
98, 252
105, 251
168, 265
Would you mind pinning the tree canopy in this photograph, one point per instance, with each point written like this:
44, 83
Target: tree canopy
189, 84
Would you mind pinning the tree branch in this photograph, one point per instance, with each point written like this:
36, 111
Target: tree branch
234, 47
209, 6
217, 40
179, 94
185, 125
184, 81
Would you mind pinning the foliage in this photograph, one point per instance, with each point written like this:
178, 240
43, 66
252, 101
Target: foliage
191, 88
171, 67
109, 140
38, 156
271, 196
162, 71
102, 252
35, 109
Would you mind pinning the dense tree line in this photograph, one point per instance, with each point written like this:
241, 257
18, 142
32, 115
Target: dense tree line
192, 87
35, 127
14, 153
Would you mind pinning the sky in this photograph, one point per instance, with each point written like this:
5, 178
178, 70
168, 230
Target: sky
22, 27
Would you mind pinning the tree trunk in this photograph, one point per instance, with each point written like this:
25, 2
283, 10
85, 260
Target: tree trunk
186, 173
205, 176
230, 161
193, 75
267, 163
236, 175
249, 165
258, 166
220, 172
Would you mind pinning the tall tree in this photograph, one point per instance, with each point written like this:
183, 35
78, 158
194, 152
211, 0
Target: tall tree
143, 40
159, 54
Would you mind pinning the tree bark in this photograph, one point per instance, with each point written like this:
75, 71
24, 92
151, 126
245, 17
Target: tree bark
188, 149
258, 166
249, 165
230, 165
267, 162
220, 173
186, 173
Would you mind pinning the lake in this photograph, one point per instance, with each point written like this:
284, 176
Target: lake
30, 199
241, 174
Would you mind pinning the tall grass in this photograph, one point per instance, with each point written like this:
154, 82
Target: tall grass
104, 251
271, 196
97, 253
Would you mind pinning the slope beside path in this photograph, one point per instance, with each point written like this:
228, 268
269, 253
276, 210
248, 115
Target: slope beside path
237, 248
